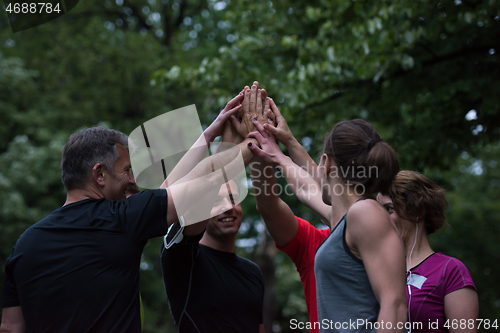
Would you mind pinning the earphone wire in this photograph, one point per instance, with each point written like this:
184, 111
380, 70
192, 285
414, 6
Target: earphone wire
178, 326
409, 276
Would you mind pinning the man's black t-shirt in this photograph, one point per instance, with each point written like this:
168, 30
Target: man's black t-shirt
212, 291
77, 270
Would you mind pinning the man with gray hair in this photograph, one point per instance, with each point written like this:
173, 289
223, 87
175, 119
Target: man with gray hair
77, 270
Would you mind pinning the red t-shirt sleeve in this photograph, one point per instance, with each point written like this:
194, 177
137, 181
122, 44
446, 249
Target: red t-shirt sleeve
297, 248
302, 248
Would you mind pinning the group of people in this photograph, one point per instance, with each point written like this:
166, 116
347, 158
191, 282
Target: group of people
77, 270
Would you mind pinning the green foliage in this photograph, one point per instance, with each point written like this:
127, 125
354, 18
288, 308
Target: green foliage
413, 67
473, 219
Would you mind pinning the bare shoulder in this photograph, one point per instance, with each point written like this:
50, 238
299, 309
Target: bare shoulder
369, 218
369, 230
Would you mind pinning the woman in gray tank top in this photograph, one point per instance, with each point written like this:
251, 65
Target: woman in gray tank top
360, 267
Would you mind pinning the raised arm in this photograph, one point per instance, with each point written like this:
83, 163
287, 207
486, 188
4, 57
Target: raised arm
278, 217
300, 181
198, 151
231, 136
281, 131
204, 178
371, 237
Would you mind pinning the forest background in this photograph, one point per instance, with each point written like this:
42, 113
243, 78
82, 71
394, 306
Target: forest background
424, 72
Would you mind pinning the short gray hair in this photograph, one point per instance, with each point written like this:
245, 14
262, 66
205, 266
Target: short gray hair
86, 148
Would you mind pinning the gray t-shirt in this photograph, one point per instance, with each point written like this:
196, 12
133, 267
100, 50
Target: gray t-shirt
346, 302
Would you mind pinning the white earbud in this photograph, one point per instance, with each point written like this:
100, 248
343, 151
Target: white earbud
408, 280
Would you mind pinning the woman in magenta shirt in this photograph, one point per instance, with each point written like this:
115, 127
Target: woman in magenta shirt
440, 292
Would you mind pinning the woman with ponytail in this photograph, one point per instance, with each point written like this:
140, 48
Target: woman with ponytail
360, 266
440, 292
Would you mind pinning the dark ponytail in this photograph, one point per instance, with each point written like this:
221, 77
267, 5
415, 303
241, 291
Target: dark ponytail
361, 156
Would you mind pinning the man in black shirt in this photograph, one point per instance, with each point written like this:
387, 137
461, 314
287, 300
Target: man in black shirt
210, 288
77, 270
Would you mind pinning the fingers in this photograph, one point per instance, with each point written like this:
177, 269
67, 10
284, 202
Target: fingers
246, 101
260, 128
235, 122
231, 112
267, 110
235, 101
253, 100
271, 129
266, 101
259, 109
272, 117
256, 135
263, 94
271, 136
237, 125
275, 109
242, 94
257, 151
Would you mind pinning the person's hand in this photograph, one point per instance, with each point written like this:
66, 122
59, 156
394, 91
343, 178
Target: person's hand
253, 109
270, 151
216, 128
281, 131
259, 105
229, 134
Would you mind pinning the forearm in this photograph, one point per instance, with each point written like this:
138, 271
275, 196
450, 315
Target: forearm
278, 217
12, 320
263, 181
190, 160
393, 316
202, 184
305, 188
300, 156
205, 166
